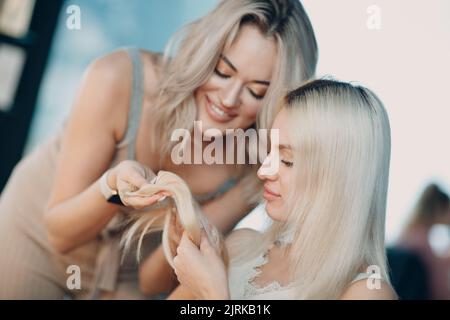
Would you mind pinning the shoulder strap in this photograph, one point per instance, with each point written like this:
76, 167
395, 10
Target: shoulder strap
137, 92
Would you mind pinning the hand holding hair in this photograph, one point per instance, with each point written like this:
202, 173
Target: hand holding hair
129, 176
201, 269
182, 211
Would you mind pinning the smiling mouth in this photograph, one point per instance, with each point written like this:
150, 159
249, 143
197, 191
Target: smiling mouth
217, 113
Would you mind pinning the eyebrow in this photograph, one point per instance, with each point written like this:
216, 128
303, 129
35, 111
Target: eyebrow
228, 62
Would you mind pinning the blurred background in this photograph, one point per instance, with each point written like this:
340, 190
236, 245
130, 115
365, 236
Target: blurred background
400, 49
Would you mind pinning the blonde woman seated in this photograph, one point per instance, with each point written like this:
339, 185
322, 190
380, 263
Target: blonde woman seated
327, 201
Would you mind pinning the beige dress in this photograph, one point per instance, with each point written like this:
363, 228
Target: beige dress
29, 268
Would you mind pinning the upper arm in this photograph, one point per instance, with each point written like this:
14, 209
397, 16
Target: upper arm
89, 139
359, 290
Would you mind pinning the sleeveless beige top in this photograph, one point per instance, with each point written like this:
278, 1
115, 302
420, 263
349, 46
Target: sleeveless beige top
25, 196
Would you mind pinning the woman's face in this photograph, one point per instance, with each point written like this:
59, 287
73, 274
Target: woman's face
278, 185
232, 96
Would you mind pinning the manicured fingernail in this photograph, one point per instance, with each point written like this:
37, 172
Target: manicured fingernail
162, 198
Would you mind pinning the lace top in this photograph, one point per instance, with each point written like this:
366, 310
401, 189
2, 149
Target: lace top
241, 282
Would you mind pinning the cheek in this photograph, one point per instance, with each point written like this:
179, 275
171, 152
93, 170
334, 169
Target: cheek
209, 85
250, 110
285, 178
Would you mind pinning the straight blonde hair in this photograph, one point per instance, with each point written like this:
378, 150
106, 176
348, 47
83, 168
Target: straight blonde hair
336, 211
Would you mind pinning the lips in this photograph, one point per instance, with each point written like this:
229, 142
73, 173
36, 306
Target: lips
219, 113
269, 194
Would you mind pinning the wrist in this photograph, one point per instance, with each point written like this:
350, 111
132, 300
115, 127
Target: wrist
106, 186
218, 293
111, 179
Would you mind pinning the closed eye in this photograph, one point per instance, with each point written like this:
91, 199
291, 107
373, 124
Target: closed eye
287, 163
256, 96
220, 74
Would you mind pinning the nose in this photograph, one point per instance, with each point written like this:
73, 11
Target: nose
230, 95
265, 172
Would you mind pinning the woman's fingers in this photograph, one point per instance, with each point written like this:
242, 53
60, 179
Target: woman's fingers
137, 202
186, 246
187, 253
132, 176
142, 202
135, 179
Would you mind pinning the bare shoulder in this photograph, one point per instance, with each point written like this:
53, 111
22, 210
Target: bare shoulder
115, 69
111, 65
359, 290
109, 76
113, 73
239, 237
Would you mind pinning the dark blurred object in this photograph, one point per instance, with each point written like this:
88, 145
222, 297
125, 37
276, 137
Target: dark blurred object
409, 275
431, 209
26, 32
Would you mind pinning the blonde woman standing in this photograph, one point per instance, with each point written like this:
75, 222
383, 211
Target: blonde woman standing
327, 202
228, 69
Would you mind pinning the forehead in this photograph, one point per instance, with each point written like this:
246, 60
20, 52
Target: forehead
252, 54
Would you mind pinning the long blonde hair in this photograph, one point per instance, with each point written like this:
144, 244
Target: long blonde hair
341, 143
193, 53
182, 208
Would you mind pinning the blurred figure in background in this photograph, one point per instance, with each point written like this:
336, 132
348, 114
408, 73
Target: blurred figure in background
432, 208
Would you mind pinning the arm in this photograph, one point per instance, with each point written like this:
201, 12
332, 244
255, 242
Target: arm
156, 275
76, 210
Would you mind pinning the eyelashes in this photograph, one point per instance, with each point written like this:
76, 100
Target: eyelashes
220, 74
226, 76
256, 96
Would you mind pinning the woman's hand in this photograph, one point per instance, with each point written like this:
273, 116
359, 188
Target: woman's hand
201, 270
175, 230
130, 175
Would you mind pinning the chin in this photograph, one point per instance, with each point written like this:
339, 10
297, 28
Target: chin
275, 212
